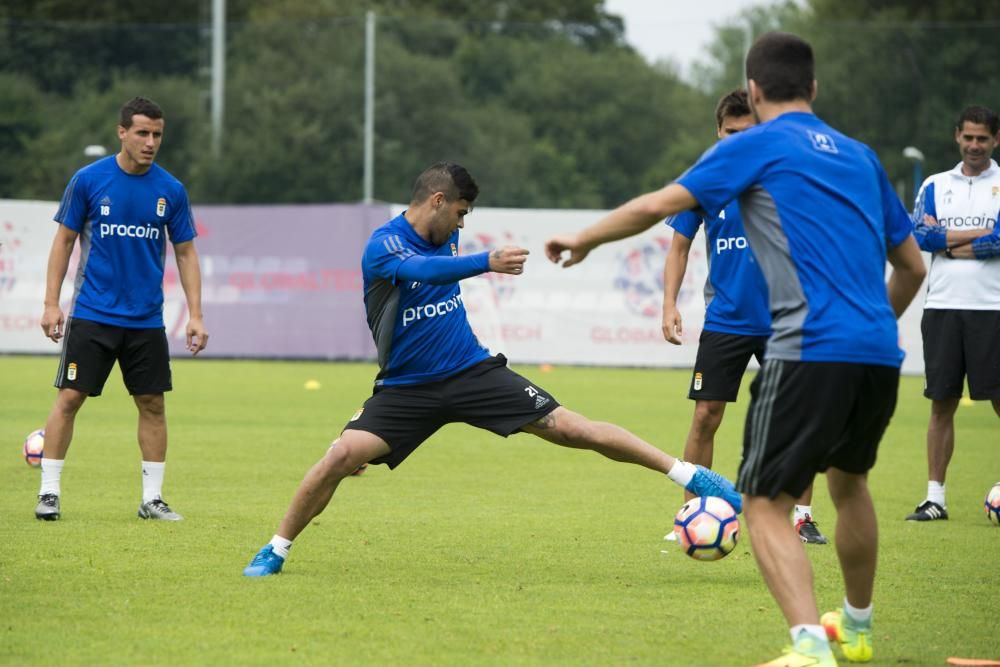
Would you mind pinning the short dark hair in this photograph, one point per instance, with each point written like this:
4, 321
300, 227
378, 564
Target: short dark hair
980, 116
141, 106
452, 179
733, 104
782, 65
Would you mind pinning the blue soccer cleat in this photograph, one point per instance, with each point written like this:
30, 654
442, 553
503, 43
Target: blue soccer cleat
710, 483
266, 562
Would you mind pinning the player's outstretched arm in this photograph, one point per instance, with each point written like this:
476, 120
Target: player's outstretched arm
443, 270
190, 272
908, 273
52, 315
674, 269
631, 218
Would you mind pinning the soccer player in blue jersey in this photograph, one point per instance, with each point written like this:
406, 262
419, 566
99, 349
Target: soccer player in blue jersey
821, 218
122, 209
737, 319
433, 371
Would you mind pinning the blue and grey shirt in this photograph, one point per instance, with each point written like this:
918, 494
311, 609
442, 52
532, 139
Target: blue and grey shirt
735, 291
820, 213
414, 305
123, 221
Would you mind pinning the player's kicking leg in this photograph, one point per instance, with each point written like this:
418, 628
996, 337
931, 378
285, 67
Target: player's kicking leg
570, 429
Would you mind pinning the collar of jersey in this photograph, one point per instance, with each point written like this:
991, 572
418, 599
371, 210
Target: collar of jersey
990, 172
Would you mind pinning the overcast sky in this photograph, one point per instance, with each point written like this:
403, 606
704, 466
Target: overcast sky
674, 29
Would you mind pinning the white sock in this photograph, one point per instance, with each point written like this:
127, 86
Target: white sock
152, 480
281, 545
801, 511
935, 492
51, 474
682, 472
861, 616
815, 632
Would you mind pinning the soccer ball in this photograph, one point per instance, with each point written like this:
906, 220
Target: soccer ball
707, 528
33, 446
992, 504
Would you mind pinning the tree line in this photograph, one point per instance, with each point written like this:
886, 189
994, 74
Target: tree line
543, 100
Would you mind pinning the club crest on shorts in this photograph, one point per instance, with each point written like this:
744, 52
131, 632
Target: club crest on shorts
357, 414
161, 206
697, 381
71, 371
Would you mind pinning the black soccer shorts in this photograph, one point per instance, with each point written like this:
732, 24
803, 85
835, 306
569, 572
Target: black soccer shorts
721, 362
960, 344
90, 350
805, 417
488, 395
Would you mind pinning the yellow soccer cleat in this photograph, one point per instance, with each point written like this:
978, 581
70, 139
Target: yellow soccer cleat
855, 640
807, 652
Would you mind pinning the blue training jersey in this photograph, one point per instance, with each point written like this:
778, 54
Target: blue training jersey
421, 329
123, 221
735, 291
820, 213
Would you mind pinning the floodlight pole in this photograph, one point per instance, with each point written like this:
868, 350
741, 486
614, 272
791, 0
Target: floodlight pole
915, 154
218, 72
369, 138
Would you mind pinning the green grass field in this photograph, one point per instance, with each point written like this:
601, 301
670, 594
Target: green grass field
477, 550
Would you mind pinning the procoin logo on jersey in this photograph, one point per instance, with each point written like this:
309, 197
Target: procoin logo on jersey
730, 242
697, 381
432, 309
134, 231
161, 206
71, 371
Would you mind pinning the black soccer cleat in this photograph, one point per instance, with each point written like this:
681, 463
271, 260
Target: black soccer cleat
809, 532
928, 511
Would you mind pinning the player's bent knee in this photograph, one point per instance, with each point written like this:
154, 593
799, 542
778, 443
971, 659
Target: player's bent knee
338, 460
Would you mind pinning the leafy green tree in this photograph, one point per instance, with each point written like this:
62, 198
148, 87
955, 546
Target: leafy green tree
892, 73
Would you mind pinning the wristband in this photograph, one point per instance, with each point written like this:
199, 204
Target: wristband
947, 253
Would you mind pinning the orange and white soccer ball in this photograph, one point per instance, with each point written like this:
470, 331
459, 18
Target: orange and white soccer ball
707, 528
992, 504
33, 446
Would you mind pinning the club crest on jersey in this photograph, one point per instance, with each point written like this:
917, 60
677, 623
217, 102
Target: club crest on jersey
823, 142
106, 206
454, 250
697, 381
996, 190
161, 206
71, 371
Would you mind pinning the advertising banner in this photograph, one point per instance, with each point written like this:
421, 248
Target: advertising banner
285, 282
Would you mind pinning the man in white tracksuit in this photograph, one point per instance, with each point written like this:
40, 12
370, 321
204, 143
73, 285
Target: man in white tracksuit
956, 220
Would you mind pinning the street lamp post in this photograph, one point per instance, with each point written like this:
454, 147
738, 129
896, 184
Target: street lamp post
95, 150
917, 156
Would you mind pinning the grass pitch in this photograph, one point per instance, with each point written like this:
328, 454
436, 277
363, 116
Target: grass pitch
477, 550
